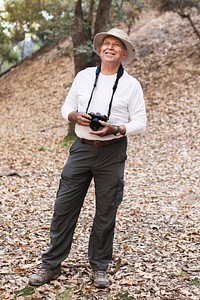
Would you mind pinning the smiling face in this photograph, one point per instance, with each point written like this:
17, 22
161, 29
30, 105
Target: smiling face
113, 50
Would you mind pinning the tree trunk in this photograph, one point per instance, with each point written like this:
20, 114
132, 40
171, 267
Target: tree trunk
103, 16
71, 132
82, 36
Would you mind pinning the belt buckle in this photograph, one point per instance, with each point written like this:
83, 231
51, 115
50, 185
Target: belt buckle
96, 144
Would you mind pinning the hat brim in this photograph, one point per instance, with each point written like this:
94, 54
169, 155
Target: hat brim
98, 40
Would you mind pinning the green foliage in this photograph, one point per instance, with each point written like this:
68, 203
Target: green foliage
125, 296
65, 295
42, 148
195, 282
84, 48
68, 140
181, 273
7, 54
184, 8
48, 21
178, 6
27, 291
45, 21
127, 12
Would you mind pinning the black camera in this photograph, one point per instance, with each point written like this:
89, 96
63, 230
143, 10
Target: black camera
95, 125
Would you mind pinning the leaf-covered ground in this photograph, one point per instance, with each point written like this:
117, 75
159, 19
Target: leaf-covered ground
157, 241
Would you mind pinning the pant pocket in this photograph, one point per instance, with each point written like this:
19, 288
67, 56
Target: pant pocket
119, 194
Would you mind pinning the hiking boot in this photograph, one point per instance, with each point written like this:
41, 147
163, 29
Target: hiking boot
44, 276
100, 279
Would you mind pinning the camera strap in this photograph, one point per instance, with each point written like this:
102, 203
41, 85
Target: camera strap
119, 75
98, 70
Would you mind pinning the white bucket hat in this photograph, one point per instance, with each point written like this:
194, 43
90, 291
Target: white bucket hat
121, 35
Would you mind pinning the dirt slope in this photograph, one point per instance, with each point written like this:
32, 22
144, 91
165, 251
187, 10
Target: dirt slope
158, 225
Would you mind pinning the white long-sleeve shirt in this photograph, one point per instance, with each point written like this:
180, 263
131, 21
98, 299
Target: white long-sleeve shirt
128, 106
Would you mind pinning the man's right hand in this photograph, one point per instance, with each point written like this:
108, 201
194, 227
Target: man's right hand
82, 119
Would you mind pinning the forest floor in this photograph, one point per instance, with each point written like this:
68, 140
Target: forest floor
157, 238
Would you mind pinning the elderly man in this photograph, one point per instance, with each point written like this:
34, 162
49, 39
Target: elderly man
106, 104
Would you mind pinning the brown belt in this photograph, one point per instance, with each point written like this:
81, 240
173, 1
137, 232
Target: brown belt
100, 144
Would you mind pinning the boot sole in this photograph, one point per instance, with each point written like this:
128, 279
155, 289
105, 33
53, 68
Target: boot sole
42, 283
101, 286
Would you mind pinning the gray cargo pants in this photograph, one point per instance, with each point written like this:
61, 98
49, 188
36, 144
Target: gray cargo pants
106, 166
